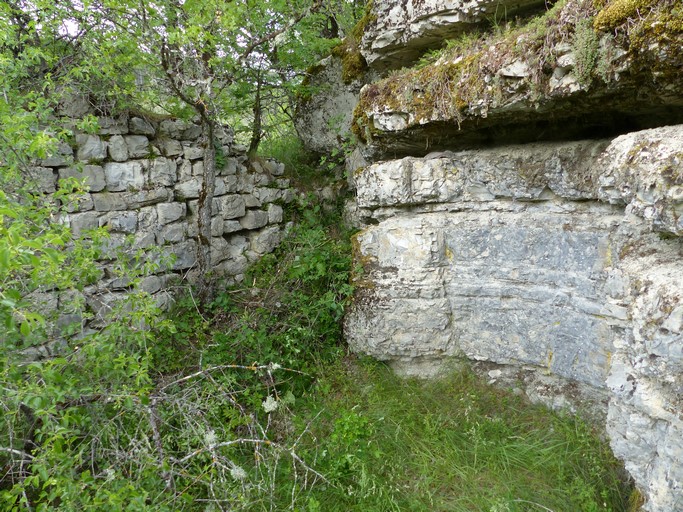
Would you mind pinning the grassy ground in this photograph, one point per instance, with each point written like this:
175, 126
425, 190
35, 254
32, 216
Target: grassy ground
456, 444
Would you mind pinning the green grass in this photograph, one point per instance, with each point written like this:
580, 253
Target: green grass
455, 444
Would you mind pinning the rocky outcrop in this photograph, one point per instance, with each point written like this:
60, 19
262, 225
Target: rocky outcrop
559, 77
323, 119
144, 179
556, 265
520, 205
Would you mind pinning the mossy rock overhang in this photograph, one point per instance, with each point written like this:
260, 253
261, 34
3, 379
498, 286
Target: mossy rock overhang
557, 77
398, 33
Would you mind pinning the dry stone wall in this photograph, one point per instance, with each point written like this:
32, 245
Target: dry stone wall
144, 179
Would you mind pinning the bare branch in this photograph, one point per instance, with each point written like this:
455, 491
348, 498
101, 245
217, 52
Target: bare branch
22, 454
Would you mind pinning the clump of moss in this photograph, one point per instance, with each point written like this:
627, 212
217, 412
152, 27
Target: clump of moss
618, 11
655, 39
353, 62
368, 17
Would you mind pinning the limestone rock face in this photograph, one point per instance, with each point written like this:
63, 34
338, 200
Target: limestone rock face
323, 121
519, 196
559, 259
400, 31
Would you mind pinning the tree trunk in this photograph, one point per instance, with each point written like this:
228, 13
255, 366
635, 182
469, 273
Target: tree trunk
205, 206
256, 130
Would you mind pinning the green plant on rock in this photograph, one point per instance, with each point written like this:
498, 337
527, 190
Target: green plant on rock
586, 52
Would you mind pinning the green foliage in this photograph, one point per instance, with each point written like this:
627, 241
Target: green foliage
292, 312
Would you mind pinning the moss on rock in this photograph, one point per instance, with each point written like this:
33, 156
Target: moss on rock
618, 11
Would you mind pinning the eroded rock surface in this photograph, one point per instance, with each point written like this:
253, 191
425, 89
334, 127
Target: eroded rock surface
323, 120
558, 259
559, 77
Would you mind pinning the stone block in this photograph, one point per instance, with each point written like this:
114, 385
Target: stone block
231, 226
162, 172
106, 202
185, 254
219, 187
193, 152
184, 170
44, 178
245, 182
170, 212
91, 148
266, 240
275, 214
112, 125
151, 284
191, 133
84, 203
118, 150
144, 240
230, 167
120, 176
173, 128
198, 168
217, 226
267, 195
254, 219
273, 167
188, 189
231, 206
81, 222
233, 266
219, 249
143, 198
138, 146
140, 126
147, 218
251, 201
172, 233
170, 147
92, 174
124, 222
262, 180
230, 184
